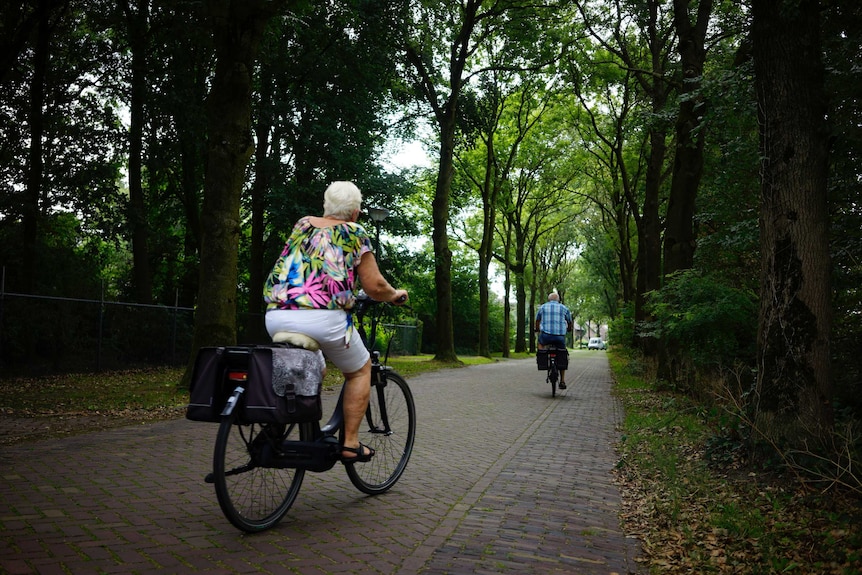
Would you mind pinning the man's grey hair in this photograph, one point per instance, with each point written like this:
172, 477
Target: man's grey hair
553, 296
341, 199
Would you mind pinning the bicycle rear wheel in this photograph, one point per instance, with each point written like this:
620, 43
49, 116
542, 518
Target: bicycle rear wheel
389, 428
252, 496
552, 377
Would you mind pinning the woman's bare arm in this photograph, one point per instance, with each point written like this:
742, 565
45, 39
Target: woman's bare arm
375, 284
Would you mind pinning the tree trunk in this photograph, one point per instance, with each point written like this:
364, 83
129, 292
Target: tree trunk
489, 210
258, 268
507, 287
137, 23
520, 311
445, 108
445, 334
531, 316
238, 27
191, 162
518, 268
188, 76
793, 376
32, 212
679, 236
649, 223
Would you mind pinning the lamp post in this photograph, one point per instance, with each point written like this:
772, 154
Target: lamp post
377, 215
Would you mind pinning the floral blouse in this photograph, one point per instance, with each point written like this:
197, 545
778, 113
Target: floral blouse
317, 268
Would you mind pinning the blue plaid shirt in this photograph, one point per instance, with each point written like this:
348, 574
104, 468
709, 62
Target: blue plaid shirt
554, 318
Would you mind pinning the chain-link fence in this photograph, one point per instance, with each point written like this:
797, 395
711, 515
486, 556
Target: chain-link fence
41, 335
405, 339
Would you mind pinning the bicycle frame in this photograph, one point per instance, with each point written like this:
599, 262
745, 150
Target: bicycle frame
258, 468
322, 453
553, 370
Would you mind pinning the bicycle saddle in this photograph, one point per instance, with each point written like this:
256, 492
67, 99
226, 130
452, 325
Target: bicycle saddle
296, 339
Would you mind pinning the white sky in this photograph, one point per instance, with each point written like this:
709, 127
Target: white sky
401, 155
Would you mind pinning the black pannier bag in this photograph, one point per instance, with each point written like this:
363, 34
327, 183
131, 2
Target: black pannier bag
284, 385
542, 359
209, 389
561, 357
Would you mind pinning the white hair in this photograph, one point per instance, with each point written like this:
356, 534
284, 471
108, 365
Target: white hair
341, 199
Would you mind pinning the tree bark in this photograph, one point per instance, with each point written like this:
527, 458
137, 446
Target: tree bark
137, 22
490, 191
793, 385
445, 108
507, 289
519, 268
445, 334
679, 237
262, 181
257, 265
32, 211
649, 224
237, 27
649, 228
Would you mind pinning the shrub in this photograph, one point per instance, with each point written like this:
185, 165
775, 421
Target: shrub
709, 324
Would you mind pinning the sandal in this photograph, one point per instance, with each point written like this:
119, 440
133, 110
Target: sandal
363, 454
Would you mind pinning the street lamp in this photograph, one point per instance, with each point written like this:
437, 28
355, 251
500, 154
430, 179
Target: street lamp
377, 215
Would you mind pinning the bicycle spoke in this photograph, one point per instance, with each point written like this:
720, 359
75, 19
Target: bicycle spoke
391, 431
252, 496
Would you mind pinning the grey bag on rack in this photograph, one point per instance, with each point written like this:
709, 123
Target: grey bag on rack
284, 385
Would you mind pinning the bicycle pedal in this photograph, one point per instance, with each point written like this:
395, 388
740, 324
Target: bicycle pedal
209, 478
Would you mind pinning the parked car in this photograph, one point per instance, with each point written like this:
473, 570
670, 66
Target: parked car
596, 343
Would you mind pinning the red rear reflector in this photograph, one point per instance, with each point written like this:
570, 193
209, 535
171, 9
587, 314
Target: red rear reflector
237, 375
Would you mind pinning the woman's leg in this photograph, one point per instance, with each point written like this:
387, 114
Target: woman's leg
357, 389
327, 327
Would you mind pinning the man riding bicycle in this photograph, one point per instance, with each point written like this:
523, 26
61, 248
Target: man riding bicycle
553, 321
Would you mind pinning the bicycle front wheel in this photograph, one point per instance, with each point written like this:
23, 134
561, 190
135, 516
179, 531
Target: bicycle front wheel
252, 495
389, 428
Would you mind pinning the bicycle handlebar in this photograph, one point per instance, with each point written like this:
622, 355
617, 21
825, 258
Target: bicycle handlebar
364, 302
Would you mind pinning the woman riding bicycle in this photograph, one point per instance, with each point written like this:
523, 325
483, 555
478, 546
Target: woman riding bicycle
311, 291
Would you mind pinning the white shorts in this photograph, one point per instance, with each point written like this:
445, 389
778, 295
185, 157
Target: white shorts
328, 328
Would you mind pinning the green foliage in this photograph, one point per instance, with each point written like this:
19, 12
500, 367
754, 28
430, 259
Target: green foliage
73, 260
700, 515
416, 274
623, 327
331, 81
710, 323
81, 141
842, 30
597, 278
728, 199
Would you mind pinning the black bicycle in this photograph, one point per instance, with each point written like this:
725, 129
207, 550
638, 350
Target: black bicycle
258, 468
553, 359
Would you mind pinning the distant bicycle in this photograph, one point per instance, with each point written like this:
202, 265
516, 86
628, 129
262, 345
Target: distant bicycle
258, 468
552, 359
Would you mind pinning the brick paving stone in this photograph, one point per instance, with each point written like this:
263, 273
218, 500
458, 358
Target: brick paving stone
503, 479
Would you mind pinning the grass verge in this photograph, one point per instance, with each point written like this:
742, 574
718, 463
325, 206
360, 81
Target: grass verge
154, 391
701, 510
